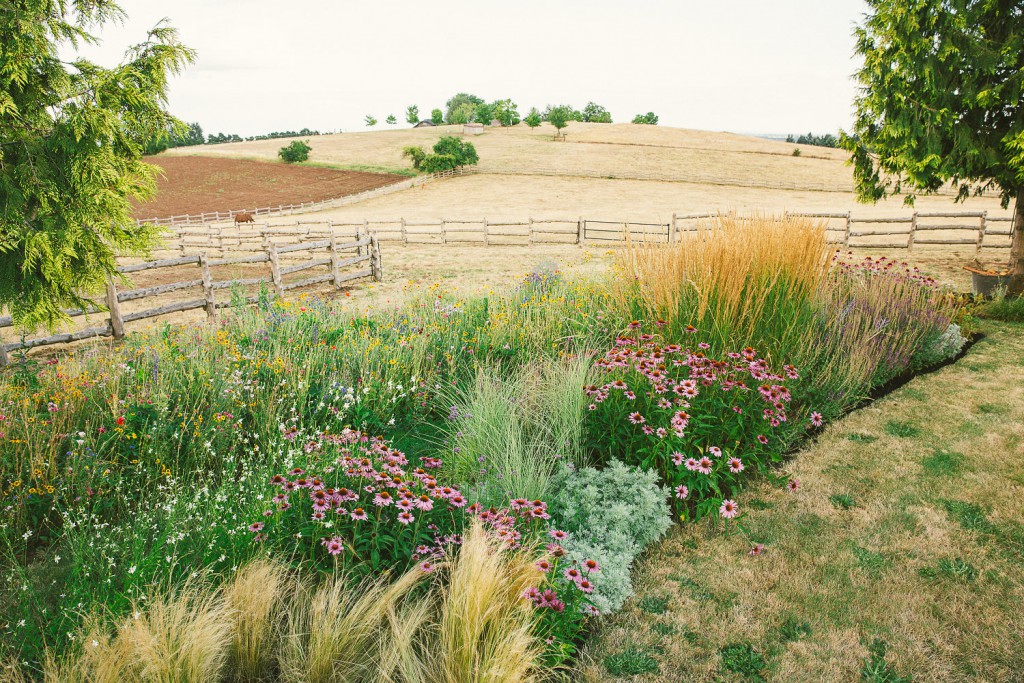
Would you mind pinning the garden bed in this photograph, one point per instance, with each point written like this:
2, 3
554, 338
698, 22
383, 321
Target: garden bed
569, 422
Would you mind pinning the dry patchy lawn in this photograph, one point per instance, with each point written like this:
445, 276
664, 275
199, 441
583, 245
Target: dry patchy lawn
908, 530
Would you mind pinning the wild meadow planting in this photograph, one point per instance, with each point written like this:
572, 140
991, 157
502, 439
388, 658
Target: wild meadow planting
454, 488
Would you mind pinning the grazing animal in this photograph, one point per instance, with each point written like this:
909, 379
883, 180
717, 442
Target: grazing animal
244, 218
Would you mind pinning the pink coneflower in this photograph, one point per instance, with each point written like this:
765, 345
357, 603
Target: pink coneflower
405, 517
682, 493
256, 527
763, 439
573, 574
735, 465
677, 458
630, 395
591, 566
661, 432
692, 464
704, 465
532, 594
543, 565
729, 509
426, 567
635, 325
333, 545
647, 429
277, 480
591, 610
318, 516
636, 418
816, 419
585, 586
793, 485
474, 508
457, 501
715, 451
558, 534
690, 329
383, 499
359, 514
757, 549
296, 471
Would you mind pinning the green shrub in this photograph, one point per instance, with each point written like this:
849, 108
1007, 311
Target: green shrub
650, 118
1003, 308
940, 348
796, 152
462, 151
611, 515
416, 154
297, 150
435, 163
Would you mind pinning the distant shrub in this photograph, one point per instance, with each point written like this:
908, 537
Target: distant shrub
436, 117
533, 118
462, 151
796, 152
650, 118
297, 150
435, 163
416, 154
611, 515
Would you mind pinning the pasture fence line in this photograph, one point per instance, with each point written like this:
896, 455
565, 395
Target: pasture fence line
972, 229
363, 253
305, 207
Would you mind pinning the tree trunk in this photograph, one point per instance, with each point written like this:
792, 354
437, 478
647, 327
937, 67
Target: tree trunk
1017, 247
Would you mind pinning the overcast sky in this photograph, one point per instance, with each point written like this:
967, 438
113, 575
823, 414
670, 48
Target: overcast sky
750, 66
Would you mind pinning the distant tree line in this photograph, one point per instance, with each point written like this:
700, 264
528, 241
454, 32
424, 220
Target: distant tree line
193, 135
826, 140
468, 108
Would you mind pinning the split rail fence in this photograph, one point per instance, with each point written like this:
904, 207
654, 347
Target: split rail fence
975, 229
337, 258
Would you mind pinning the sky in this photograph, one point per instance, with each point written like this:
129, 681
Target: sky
745, 66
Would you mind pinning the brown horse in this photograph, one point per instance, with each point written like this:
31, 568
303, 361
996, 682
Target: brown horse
244, 218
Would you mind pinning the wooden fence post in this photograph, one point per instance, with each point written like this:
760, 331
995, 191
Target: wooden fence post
275, 271
487, 240
444, 236
375, 266
846, 235
405, 237
211, 305
580, 230
335, 268
982, 226
116, 323
913, 229
672, 229
529, 235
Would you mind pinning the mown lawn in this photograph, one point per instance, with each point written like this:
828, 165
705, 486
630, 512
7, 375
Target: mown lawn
899, 558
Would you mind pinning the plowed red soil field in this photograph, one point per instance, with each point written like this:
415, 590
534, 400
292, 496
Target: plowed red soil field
194, 184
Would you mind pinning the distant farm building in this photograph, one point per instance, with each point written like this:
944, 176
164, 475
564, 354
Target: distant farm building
495, 122
472, 128
425, 123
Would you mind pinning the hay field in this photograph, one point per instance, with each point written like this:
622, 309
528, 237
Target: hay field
524, 172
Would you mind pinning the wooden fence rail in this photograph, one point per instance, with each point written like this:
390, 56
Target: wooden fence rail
968, 228
339, 256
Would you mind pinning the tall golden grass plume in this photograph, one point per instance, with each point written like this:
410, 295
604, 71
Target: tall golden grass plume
725, 272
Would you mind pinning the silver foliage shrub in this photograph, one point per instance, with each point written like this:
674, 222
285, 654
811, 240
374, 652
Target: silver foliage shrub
611, 515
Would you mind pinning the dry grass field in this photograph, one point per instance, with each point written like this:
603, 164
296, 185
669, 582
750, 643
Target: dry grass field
595, 172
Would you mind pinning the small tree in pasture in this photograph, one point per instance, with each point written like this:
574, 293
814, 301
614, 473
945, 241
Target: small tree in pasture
559, 118
370, 121
460, 107
533, 118
595, 113
506, 111
650, 118
391, 120
72, 134
295, 151
437, 117
942, 99
462, 150
435, 163
416, 154
412, 115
